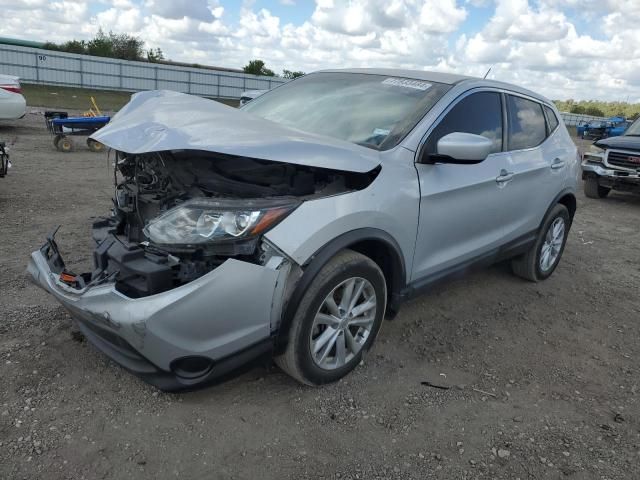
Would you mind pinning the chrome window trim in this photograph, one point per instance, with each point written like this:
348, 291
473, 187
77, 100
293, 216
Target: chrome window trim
505, 128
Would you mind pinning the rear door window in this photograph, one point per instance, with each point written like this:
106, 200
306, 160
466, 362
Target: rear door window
479, 113
527, 128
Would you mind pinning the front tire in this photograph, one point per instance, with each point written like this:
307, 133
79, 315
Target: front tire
543, 257
64, 144
336, 321
593, 189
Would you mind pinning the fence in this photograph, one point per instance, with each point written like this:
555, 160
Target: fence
573, 119
35, 65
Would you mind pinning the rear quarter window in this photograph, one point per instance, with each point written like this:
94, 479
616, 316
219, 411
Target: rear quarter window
551, 118
527, 126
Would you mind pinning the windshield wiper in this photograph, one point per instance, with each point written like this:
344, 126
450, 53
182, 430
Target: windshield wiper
368, 145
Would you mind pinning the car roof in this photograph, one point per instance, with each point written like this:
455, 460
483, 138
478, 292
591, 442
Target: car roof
441, 77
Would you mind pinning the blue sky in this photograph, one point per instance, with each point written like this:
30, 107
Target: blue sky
562, 48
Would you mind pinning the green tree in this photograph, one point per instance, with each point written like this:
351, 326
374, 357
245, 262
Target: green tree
577, 109
75, 46
51, 46
100, 45
593, 110
290, 74
126, 47
122, 45
257, 67
155, 55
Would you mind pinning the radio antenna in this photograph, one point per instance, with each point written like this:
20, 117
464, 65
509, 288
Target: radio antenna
485, 75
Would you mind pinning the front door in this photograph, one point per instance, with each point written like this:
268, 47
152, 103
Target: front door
462, 206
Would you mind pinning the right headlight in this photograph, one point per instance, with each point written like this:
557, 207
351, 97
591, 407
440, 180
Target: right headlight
202, 221
594, 154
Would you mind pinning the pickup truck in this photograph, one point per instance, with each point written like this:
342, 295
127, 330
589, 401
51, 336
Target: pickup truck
613, 164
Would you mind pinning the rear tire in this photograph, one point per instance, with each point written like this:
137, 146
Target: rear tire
593, 189
325, 344
543, 257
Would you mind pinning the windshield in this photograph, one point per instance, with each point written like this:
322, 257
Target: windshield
373, 110
634, 129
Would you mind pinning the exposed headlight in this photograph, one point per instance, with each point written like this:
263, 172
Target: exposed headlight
594, 154
202, 221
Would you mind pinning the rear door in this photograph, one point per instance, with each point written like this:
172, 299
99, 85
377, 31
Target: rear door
461, 206
538, 159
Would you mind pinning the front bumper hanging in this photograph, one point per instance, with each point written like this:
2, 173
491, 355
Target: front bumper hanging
179, 338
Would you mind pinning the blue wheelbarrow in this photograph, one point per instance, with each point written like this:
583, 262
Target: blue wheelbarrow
62, 127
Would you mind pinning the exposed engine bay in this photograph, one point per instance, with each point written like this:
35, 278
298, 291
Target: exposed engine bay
172, 186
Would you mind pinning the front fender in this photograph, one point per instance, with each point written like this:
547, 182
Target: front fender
390, 204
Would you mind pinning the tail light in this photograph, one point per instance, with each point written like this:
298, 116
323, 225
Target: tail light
12, 87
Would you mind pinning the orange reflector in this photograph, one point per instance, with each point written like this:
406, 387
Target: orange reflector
268, 219
67, 277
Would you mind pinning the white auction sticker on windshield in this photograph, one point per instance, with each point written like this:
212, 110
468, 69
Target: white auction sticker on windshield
407, 83
381, 131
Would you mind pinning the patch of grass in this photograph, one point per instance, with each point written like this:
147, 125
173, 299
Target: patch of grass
71, 98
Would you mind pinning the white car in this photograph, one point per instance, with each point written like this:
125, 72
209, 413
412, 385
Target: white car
12, 103
249, 95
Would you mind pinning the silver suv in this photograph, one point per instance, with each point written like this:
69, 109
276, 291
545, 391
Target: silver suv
297, 223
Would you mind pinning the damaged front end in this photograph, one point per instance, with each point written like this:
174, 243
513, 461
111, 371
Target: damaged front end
183, 277
184, 283
179, 215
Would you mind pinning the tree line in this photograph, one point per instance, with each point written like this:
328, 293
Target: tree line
599, 108
129, 47
258, 67
111, 45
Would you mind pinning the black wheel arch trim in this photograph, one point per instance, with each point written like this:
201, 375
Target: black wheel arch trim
319, 259
563, 193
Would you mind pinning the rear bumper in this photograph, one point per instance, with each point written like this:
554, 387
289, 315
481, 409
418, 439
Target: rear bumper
13, 107
627, 181
223, 319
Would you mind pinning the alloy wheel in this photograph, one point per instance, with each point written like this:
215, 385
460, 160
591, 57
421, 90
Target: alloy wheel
550, 250
343, 323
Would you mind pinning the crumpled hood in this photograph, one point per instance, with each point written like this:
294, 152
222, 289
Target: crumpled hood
162, 120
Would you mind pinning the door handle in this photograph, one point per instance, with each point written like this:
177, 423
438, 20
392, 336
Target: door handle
557, 163
504, 176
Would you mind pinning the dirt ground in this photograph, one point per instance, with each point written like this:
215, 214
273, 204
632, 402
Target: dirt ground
544, 377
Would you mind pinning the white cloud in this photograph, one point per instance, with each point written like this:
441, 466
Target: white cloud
540, 44
176, 9
441, 16
120, 19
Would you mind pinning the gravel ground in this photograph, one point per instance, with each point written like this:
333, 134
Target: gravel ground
544, 377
